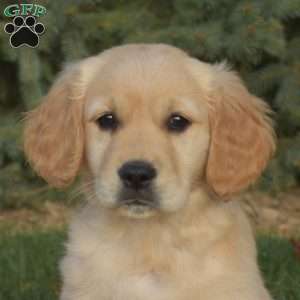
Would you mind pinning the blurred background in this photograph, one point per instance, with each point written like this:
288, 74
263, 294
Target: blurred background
259, 38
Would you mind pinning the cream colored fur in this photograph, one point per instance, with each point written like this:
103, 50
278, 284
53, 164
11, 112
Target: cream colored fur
196, 246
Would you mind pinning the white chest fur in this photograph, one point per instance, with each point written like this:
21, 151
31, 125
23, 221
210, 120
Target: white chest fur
121, 260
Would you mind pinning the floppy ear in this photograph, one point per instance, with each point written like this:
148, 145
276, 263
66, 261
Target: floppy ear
242, 137
53, 136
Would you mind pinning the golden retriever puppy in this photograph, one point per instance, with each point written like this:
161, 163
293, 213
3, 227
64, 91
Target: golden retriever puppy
162, 140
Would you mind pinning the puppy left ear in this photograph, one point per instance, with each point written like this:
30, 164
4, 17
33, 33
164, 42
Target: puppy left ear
53, 136
242, 137
54, 131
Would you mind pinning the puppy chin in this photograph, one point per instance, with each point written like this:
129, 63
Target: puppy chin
136, 211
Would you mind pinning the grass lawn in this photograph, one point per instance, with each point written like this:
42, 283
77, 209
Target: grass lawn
29, 266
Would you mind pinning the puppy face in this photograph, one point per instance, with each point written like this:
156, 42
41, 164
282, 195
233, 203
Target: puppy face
147, 134
150, 124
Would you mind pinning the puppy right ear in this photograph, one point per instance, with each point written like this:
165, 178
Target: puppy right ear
242, 135
53, 136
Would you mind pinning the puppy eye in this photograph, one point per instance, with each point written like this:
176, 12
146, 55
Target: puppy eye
177, 123
108, 121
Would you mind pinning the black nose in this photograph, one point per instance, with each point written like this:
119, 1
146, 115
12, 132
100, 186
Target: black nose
137, 174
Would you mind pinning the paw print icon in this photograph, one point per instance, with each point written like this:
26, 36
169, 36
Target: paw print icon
24, 31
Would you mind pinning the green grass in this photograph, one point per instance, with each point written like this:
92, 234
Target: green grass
29, 266
280, 267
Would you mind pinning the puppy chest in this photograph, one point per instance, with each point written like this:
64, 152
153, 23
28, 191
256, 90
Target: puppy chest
121, 274
142, 286
113, 278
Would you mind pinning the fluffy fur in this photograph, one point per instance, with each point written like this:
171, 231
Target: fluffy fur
195, 245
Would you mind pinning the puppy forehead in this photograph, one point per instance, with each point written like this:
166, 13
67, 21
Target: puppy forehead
142, 71
144, 76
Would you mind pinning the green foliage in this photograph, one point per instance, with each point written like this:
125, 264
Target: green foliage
259, 38
284, 171
19, 186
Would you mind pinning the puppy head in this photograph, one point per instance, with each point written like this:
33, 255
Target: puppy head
150, 124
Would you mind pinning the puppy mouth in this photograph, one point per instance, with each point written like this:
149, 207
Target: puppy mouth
138, 204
